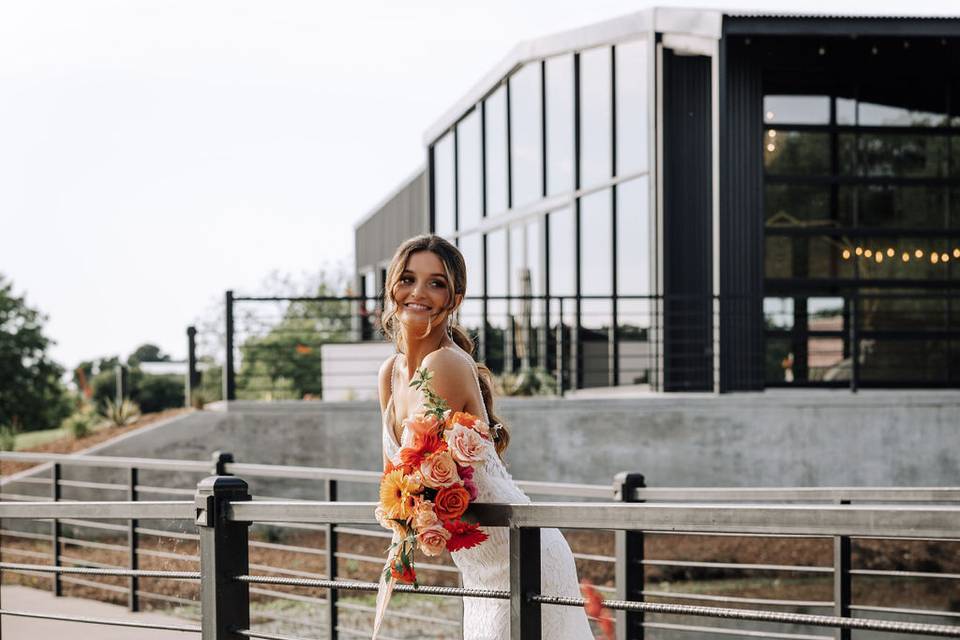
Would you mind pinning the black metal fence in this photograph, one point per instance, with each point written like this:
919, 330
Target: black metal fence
222, 512
319, 347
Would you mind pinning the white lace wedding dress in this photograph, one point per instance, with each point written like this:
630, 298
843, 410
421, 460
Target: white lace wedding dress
486, 566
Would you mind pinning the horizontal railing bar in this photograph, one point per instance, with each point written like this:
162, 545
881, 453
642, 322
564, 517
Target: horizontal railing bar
593, 557
261, 544
93, 524
167, 510
165, 598
680, 595
169, 555
306, 473
912, 612
375, 560
143, 573
27, 534
357, 633
35, 574
87, 563
114, 462
254, 566
800, 494
370, 533
29, 480
291, 525
762, 616
101, 621
22, 497
352, 585
904, 574
163, 533
26, 552
399, 614
933, 521
247, 633
737, 566
569, 489
284, 595
165, 490
90, 544
84, 484
104, 586
260, 614
666, 626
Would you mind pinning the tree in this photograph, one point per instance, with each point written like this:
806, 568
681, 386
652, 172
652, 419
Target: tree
147, 353
31, 394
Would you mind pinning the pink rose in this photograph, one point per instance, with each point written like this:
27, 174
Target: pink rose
389, 523
466, 473
466, 445
471, 489
433, 540
439, 470
424, 516
421, 423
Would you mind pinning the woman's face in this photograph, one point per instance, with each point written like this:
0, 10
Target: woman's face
422, 292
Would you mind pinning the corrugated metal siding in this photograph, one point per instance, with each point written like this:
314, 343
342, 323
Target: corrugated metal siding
402, 216
741, 220
687, 186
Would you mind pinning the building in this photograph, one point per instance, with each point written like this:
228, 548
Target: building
705, 200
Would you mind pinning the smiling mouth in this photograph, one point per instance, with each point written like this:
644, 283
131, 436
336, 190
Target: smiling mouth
413, 306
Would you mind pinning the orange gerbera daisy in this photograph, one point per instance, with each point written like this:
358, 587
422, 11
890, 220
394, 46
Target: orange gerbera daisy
398, 494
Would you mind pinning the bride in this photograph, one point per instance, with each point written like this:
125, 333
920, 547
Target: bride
426, 283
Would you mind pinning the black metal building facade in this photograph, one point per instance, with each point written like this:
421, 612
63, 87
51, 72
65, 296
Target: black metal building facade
708, 201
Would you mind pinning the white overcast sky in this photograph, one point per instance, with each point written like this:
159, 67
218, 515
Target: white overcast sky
155, 153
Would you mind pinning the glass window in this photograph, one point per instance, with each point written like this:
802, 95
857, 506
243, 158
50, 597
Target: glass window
495, 125
471, 311
497, 285
898, 206
790, 205
632, 105
596, 116
563, 253
526, 126
559, 124
633, 238
443, 191
469, 178
596, 244
899, 155
793, 153
778, 313
535, 256
786, 109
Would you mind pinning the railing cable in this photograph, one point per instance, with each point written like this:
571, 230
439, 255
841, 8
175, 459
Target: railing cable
91, 571
102, 621
373, 586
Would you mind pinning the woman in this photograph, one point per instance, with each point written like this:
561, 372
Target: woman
425, 285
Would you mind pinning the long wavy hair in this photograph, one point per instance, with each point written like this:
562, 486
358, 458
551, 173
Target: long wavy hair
455, 270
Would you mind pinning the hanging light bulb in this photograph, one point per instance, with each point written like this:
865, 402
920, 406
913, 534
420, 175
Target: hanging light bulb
934, 257
859, 251
771, 147
772, 133
891, 252
905, 257
918, 253
868, 253
956, 253
846, 254
944, 257
879, 257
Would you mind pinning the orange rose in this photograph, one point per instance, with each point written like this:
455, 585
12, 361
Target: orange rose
422, 423
462, 417
451, 502
439, 470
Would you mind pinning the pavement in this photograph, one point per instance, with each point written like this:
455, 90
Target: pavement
17, 598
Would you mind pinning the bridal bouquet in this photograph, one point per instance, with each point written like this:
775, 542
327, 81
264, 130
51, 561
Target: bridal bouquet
425, 491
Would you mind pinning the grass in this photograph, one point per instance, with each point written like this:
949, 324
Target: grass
33, 439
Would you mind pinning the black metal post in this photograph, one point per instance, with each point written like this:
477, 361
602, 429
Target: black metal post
193, 376
123, 380
331, 532
133, 601
224, 602
842, 591
854, 342
524, 582
55, 528
558, 350
220, 461
629, 555
229, 382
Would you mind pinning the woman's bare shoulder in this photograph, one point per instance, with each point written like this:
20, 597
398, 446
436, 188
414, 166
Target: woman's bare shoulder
452, 376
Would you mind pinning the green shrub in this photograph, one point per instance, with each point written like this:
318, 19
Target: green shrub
8, 437
121, 414
156, 393
536, 381
82, 421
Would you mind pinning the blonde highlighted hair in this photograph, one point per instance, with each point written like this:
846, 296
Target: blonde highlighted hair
455, 270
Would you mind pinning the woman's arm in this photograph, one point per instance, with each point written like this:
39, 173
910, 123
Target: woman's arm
453, 380
384, 387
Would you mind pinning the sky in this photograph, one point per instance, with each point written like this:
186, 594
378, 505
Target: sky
155, 153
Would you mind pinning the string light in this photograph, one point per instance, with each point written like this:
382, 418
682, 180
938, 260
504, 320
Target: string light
879, 257
868, 253
905, 256
918, 253
846, 254
771, 147
944, 258
859, 251
934, 257
890, 252
772, 133
956, 253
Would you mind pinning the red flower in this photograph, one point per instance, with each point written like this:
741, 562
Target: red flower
451, 502
593, 605
403, 574
423, 444
463, 535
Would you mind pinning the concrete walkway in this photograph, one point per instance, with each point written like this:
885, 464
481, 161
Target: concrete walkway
19, 598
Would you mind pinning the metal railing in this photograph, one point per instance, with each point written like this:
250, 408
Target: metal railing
223, 511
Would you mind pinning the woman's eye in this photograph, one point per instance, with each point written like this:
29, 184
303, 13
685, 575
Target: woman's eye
406, 280
440, 284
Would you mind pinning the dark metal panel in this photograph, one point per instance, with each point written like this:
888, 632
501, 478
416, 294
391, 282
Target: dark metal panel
401, 216
840, 26
687, 223
741, 219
